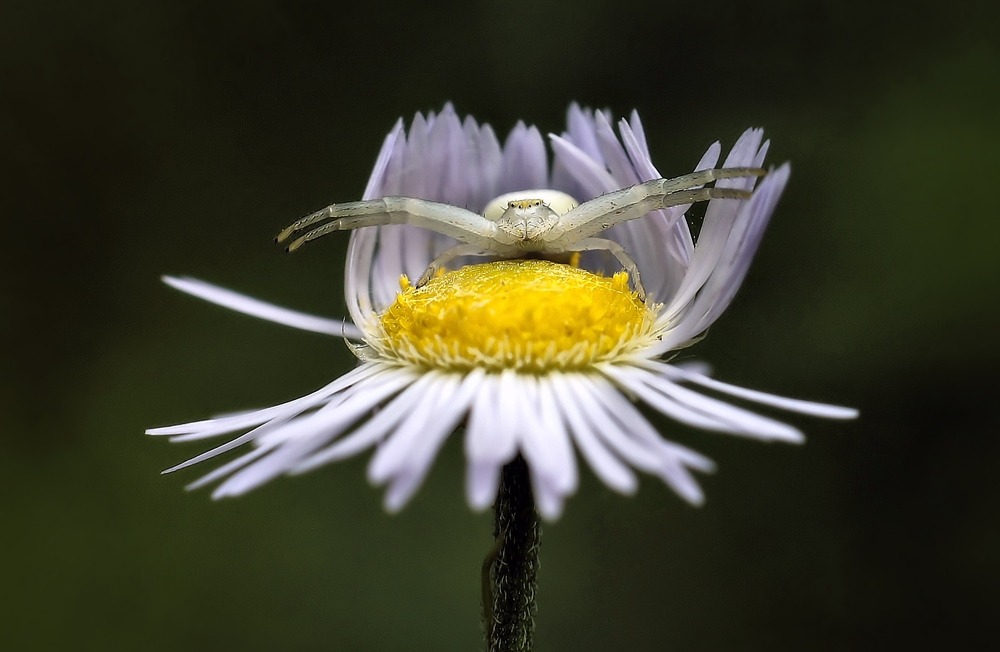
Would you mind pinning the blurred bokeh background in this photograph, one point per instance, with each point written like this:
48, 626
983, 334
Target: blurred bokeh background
138, 139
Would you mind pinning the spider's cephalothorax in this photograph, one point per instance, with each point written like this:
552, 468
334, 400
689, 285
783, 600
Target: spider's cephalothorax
524, 217
547, 222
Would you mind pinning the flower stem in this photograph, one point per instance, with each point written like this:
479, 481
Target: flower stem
511, 567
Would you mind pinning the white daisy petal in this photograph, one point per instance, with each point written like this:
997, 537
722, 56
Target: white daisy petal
614, 153
605, 428
482, 482
262, 310
548, 500
487, 447
674, 459
560, 462
228, 446
372, 431
630, 381
740, 421
223, 425
592, 175
228, 468
376, 182
608, 468
394, 452
791, 404
543, 440
301, 437
451, 407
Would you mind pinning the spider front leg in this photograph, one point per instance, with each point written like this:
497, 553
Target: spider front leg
616, 250
453, 221
613, 208
449, 255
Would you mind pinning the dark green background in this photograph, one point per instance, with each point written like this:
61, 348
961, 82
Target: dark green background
138, 139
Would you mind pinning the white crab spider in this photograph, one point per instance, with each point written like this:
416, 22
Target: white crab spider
541, 222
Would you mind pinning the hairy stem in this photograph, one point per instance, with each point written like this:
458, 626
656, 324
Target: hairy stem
511, 567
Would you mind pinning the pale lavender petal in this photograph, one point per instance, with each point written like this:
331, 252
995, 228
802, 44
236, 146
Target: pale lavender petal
743, 241
392, 454
357, 276
673, 459
794, 405
582, 132
262, 310
613, 153
228, 468
488, 444
372, 431
606, 466
491, 164
559, 463
223, 425
417, 181
448, 162
303, 436
375, 181
632, 382
525, 163
719, 218
637, 151
492, 435
548, 499
592, 176
452, 407
742, 421
635, 127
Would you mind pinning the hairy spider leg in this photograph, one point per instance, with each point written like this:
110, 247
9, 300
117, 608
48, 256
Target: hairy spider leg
459, 223
602, 213
616, 250
449, 255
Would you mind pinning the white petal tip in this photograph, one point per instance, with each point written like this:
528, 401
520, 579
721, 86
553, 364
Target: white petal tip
166, 431
479, 502
626, 487
837, 412
549, 512
401, 490
393, 506
481, 485
548, 502
794, 437
396, 499
695, 499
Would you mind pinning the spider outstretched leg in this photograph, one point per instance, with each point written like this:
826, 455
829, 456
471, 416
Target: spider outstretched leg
453, 221
614, 208
616, 250
449, 255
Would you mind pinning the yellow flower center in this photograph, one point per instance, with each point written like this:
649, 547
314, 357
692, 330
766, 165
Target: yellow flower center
529, 315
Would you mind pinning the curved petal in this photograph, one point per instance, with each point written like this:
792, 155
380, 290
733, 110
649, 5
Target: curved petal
261, 309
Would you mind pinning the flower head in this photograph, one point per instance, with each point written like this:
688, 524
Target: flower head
537, 357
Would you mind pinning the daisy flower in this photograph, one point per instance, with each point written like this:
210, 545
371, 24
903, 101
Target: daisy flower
537, 358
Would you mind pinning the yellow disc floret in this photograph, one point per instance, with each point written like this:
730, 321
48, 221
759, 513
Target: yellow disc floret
528, 315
